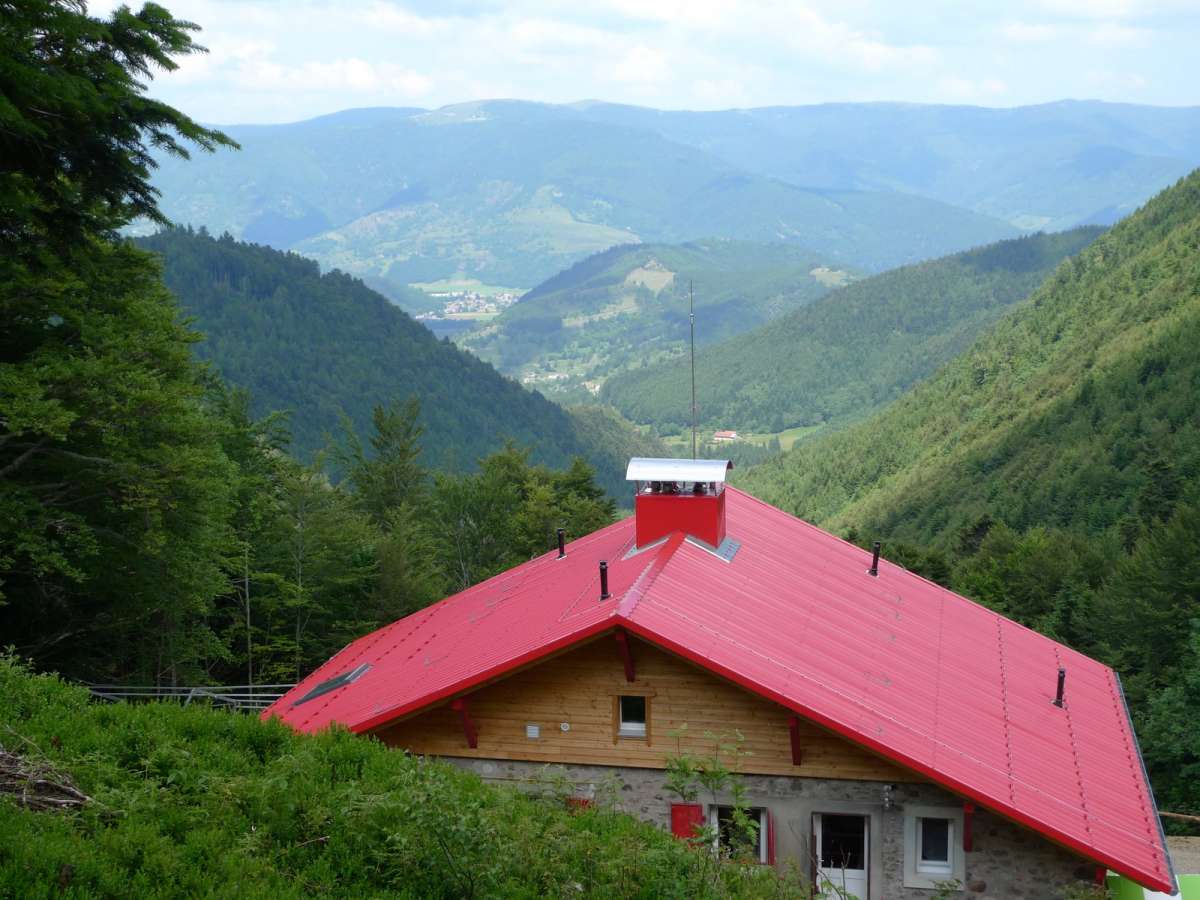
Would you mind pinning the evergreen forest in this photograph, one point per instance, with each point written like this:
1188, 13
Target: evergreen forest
325, 348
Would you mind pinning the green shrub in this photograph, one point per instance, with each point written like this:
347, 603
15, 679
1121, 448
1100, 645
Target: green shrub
206, 803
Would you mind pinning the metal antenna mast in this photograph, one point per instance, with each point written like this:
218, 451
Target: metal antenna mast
692, 317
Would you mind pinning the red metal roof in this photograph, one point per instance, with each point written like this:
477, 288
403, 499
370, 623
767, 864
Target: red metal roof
894, 663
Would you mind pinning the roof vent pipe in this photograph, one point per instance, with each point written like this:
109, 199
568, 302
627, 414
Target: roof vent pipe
562, 543
604, 594
874, 570
1062, 681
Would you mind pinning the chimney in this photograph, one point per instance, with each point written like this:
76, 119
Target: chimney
685, 495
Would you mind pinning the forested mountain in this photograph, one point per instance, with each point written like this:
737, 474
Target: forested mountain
849, 352
1050, 166
1051, 471
511, 192
1060, 414
319, 346
629, 305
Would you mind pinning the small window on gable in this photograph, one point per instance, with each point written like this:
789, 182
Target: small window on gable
933, 850
631, 716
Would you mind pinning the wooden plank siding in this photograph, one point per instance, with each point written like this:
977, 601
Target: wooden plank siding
580, 687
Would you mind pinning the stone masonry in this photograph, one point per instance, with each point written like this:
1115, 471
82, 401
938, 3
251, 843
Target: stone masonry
1007, 862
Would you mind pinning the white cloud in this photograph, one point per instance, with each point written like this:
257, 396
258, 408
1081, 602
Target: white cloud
698, 54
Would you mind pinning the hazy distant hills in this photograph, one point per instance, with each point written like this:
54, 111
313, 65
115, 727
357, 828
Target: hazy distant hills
851, 351
1049, 166
320, 345
1075, 410
511, 192
628, 306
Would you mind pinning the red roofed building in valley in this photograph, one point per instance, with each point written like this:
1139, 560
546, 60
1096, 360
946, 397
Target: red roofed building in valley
900, 734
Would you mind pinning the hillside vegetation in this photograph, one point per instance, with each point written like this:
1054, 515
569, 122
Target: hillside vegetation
192, 802
320, 346
629, 304
511, 192
1059, 414
849, 352
1051, 472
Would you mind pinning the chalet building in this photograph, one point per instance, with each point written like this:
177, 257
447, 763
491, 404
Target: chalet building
900, 735
725, 436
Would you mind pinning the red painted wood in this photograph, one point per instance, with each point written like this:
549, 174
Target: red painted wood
626, 655
968, 822
794, 730
464, 711
699, 515
686, 819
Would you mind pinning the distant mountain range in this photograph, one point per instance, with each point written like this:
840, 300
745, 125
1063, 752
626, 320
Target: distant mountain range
509, 192
849, 352
628, 306
319, 346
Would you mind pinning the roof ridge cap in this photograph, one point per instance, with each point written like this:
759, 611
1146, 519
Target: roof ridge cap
649, 575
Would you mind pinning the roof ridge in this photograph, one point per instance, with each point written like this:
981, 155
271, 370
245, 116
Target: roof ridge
649, 575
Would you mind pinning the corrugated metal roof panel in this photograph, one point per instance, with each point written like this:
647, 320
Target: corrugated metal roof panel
894, 662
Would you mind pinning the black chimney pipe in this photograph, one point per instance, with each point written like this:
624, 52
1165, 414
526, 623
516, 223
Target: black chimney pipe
1062, 681
604, 594
562, 543
874, 571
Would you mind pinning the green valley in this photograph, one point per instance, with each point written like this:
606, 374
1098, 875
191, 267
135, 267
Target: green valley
849, 352
627, 305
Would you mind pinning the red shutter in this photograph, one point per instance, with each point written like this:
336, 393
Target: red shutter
770, 838
686, 819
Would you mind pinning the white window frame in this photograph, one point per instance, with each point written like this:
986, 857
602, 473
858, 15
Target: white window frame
632, 729
924, 875
764, 821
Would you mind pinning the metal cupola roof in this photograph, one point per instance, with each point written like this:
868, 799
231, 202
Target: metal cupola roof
648, 469
894, 663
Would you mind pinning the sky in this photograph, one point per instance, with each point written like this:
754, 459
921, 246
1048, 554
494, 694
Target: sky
286, 60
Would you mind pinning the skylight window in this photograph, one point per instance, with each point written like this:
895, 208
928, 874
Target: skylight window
334, 683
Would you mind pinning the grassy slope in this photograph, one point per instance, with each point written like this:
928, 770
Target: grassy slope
1070, 411
192, 802
851, 351
320, 344
608, 311
511, 192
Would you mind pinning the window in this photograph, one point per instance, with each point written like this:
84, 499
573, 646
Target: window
631, 717
933, 846
934, 836
739, 841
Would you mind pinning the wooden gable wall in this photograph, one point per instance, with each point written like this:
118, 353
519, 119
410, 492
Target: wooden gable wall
580, 687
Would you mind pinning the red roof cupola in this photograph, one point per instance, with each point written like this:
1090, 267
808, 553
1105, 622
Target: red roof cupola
686, 495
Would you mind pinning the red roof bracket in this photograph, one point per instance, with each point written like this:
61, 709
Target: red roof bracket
464, 711
626, 655
968, 821
794, 731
